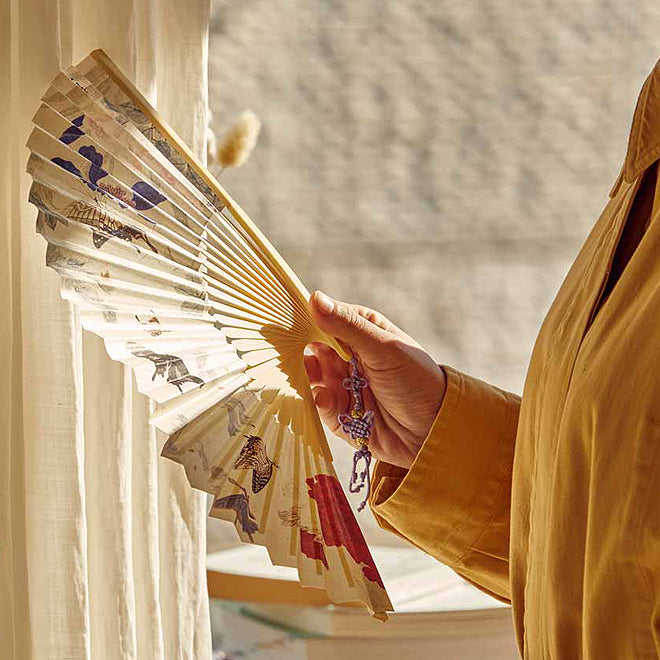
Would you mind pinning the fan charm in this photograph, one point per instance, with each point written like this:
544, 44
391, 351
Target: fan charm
358, 424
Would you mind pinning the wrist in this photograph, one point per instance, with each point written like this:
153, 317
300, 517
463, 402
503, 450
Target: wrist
439, 388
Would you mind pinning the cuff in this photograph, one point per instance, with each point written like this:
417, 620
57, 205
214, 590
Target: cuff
457, 481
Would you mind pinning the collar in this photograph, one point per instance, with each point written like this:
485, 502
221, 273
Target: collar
644, 140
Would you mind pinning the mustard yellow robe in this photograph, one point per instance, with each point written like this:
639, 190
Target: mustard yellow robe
552, 501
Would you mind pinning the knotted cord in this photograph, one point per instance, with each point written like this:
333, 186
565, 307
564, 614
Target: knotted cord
358, 424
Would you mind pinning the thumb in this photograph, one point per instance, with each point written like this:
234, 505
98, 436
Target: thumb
345, 322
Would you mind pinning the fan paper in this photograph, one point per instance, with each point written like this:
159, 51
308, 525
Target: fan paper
184, 288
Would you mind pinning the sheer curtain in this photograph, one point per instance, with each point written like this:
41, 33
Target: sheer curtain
102, 542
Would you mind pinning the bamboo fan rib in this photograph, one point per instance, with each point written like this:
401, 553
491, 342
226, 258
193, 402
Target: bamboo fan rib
185, 289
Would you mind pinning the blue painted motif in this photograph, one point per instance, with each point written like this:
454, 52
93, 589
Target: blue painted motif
145, 196
74, 131
96, 172
148, 196
68, 166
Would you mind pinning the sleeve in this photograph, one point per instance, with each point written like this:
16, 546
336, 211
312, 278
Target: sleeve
455, 500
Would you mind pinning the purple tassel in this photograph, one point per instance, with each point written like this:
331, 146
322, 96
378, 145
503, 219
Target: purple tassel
364, 479
358, 424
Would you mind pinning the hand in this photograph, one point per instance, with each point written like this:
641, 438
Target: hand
406, 386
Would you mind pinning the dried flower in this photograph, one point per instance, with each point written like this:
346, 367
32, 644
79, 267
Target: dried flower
239, 141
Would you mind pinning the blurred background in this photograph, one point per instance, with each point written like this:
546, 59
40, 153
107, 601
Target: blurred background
441, 162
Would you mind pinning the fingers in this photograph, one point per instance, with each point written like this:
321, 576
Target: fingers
334, 400
364, 330
313, 369
330, 402
326, 401
327, 364
326, 372
378, 319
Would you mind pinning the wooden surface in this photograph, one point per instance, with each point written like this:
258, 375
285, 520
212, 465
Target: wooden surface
415, 581
250, 589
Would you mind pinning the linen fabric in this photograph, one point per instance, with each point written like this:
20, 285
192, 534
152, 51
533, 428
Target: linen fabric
550, 501
102, 542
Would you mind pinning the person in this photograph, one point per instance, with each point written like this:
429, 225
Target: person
549, 501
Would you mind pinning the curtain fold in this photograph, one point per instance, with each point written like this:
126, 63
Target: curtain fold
102, 542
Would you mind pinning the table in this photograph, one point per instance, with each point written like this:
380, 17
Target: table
437, 614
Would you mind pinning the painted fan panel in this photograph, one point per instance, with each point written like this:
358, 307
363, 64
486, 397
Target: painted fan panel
185, 289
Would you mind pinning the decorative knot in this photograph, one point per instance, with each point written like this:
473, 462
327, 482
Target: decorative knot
357, 423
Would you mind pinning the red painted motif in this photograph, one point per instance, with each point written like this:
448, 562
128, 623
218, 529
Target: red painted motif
311, 547
338, 523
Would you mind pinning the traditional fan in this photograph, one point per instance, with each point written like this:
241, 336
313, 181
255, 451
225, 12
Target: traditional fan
183, 287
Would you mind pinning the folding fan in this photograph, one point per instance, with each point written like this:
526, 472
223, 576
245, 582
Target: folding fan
184, 288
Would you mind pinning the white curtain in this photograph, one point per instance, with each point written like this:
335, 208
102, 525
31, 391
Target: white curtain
102, 542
